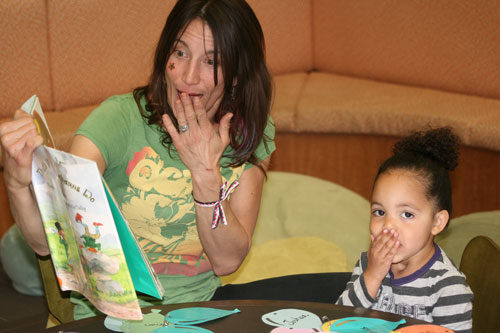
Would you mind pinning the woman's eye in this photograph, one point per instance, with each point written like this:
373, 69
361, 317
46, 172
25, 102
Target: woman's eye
378, 212
407, 215
180, 53
210, 62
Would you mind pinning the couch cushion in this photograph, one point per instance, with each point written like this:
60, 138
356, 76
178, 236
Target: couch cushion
20, 263
341, 104
485, 131
287, 92
305, 225
24, 55
63, 125
462, 229
436, 44
295, 205
289, 256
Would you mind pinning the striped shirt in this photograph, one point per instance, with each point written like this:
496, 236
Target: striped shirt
436, 293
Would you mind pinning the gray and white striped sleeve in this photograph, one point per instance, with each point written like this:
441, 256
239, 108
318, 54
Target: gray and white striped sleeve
356, 293
453, 308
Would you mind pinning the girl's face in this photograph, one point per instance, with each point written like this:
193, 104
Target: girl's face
190, 68
399, 202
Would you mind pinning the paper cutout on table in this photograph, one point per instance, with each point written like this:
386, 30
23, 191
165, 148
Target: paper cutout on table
424, 328
196, 315
150, 321
113, 324
292, 318
182, 320
180, 329
295, 330
361, 325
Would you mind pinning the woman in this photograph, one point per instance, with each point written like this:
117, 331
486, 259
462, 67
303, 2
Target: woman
172, 150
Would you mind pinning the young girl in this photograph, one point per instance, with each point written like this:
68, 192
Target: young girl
404, 271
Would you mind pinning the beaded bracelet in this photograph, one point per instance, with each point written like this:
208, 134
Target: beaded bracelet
218, 211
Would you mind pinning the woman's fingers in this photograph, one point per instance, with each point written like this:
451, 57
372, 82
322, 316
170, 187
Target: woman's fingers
21, 114
20, 130
199, 143
183, 111
17, 127
18, 134
187, 103
191, 111
200, 113
224, 125
170, 127
179, 112
33, 141
19, 138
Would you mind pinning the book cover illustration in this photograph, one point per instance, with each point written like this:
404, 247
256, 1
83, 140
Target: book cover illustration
79, 215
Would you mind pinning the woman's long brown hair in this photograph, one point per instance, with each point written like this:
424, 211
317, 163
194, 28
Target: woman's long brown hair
239, 44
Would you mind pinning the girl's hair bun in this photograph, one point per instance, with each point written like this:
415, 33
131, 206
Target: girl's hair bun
439, 144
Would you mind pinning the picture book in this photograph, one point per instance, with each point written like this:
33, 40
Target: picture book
93, 249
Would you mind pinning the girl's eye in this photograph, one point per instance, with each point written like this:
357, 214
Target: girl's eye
378, 212
210, 62
407, 215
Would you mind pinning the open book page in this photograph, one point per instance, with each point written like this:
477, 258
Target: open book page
79, 213
84, 244
143, 276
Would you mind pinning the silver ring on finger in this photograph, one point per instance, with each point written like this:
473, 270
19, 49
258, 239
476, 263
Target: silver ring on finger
184, 128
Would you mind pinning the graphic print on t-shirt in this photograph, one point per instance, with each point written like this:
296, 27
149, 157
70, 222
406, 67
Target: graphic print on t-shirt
159, 207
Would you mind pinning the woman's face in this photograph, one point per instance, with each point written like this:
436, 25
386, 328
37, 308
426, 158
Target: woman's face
190, 68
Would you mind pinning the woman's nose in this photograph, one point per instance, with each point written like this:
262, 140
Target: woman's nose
192, 73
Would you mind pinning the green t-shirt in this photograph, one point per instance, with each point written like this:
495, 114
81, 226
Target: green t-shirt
152, 187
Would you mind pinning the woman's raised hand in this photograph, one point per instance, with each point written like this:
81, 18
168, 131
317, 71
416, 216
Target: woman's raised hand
200, 143
19, 138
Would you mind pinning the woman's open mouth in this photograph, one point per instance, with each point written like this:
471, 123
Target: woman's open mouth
191, 95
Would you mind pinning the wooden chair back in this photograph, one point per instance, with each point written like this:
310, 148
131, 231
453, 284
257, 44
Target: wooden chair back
60, 307
481, 265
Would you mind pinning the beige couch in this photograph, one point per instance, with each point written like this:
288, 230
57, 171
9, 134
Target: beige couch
309, 225
350, 77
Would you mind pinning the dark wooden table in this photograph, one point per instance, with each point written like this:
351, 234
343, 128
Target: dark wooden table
248, 320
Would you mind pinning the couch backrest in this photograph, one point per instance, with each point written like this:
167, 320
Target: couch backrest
101, 48
77, 53
24, 55
450, 45
287, 29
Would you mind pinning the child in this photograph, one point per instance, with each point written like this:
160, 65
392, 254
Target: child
404, 271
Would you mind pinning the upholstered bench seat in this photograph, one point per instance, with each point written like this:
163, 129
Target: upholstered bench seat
331, 103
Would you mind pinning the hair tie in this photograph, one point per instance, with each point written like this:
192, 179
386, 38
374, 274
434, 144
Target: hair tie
218, 211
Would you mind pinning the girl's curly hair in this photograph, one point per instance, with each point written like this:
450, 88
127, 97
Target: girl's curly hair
430, 155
